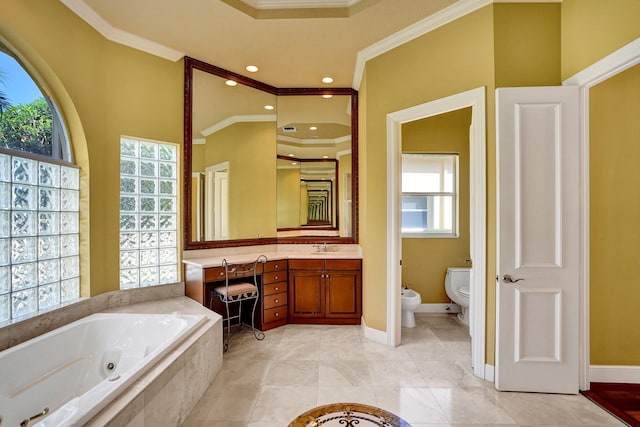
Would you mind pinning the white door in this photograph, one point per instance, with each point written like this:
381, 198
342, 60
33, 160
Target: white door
537, 293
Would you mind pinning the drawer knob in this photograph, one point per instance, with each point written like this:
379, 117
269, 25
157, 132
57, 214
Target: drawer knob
276, 266
276, 288
277, 314
275, 277
276, 300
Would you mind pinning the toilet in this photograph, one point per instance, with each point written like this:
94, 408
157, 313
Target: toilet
410, 301
456, 284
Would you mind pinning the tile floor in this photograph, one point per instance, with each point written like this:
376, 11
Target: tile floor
427, 381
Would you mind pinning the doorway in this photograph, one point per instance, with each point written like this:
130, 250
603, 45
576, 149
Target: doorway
475, 99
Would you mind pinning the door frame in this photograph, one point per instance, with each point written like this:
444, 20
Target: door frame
609, 66
209, 187
474, 98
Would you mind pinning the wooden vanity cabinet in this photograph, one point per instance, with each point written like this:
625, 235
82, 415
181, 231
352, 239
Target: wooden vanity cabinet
271, 310
273, 299
325, 291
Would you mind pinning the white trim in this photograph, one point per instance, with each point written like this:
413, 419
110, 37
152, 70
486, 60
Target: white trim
489, 372
607, 67
438, 308
420, 28
612, 64
477, 149
198, 141
239, 118
108, 31
342, 153
302, 141
299, 4
614, 374
373, 334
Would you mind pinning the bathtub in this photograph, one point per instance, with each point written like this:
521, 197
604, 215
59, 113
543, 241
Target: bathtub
65, 377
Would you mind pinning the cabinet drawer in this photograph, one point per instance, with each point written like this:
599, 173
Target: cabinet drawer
274, 288
273, 314
213, 274
279, 265
344, 264
306, 264
276, 276
275, 300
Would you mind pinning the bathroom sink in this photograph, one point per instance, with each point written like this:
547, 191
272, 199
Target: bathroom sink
322, 254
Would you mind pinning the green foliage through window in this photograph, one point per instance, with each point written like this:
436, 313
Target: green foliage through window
27, 127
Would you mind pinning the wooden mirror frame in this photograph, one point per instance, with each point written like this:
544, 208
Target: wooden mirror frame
191, 64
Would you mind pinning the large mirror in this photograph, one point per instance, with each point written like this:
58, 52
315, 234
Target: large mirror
266, 165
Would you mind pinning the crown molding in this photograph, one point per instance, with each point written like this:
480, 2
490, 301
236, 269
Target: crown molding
240, 118
299, 4
625, 57
108, 31
301, 141
430, 23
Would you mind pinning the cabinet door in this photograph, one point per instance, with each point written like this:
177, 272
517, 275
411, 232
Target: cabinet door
343, 294
306, 294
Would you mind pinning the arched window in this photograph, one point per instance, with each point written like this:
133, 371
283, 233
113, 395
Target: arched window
39, 199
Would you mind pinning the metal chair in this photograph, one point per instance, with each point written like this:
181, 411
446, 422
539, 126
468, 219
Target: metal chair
238, 291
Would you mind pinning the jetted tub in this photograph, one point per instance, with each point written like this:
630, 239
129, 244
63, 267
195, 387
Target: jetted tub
65, 377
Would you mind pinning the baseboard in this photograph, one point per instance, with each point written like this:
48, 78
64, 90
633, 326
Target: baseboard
438, 308
614, 374
489, 372
374, 334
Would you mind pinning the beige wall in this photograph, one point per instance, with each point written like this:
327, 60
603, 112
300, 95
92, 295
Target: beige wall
428, 68
425, 260
104, 90
527, 44
438, 64
251, 153
592, 29
289, 197
614, 151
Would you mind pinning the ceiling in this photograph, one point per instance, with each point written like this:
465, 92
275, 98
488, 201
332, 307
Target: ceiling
292, 44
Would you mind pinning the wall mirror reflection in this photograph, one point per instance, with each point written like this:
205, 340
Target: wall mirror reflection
242, 138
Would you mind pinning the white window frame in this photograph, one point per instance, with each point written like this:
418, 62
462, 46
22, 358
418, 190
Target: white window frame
455, 220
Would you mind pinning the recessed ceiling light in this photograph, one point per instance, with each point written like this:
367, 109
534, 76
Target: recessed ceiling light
327, 80
269, 107
251, 68
293, 163
231, 83
290, 154
327, 96
313, 127
325, 157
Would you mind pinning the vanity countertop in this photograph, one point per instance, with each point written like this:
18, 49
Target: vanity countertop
216, 261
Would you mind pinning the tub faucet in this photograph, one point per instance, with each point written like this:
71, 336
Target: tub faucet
26, 421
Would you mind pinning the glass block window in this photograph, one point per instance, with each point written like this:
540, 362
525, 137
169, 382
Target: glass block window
148, 213
39, 243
